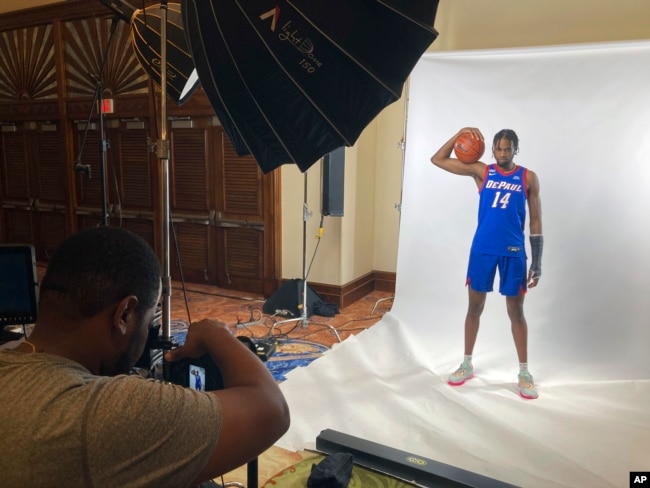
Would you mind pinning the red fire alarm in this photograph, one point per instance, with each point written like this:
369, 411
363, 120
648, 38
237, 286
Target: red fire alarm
107, 106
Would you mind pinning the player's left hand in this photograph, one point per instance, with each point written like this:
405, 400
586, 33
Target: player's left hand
532, 279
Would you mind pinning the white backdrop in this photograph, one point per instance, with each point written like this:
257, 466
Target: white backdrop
582, 114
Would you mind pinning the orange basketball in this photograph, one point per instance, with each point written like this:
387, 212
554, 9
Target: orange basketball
468, 149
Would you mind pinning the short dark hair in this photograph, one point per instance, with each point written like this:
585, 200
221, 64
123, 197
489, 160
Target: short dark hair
97, 267
509, 135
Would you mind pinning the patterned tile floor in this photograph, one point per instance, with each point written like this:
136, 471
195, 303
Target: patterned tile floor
243, 312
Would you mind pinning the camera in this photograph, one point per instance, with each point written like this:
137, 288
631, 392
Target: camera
199, 374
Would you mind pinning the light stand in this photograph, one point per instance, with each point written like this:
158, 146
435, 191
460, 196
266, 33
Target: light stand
306, 214
162, 151
126, 12
103, 142
103, 147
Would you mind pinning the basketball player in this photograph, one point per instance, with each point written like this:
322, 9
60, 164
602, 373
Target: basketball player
504, 188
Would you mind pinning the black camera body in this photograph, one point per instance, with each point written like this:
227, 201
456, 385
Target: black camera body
200, 374
197, 373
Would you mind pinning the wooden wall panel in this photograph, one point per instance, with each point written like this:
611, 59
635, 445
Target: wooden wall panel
51, 227
243, 248
196, 251
50, 166
18, 225
91, 51
240, 218
131, 157
27, 67
142, 227
243, 189
15, 171
54, 64
243, 195
190, 188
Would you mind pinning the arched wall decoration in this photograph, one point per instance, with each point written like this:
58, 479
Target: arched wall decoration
85, 47
27, 64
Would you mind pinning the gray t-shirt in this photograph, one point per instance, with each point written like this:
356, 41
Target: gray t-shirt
60, 425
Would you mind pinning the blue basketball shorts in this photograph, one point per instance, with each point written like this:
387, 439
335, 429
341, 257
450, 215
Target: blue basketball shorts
513, 278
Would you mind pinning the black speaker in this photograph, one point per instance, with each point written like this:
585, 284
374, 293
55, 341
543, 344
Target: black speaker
333, 176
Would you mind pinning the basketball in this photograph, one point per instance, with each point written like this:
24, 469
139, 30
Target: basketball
468, 149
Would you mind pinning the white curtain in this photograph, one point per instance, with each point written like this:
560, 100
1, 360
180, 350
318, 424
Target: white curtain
582, 114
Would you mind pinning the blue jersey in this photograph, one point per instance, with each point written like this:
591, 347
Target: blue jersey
501, 213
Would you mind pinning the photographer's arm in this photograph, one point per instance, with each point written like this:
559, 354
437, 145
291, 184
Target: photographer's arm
255, 413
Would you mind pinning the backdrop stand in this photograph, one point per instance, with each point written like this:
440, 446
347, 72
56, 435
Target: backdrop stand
306, 214
402, 146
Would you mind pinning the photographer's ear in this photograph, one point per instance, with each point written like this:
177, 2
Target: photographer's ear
125, 315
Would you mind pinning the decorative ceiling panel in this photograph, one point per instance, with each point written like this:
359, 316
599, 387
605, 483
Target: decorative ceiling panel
86, 44
27, 64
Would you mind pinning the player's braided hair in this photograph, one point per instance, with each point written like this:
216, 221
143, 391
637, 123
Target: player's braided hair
509, 135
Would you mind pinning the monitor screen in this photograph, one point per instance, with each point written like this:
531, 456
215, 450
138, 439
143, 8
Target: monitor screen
18, 285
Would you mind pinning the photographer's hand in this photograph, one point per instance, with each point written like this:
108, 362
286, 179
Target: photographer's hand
198, 335
255, 413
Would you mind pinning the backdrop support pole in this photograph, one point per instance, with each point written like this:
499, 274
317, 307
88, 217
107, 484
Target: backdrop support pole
402, 146
306, 215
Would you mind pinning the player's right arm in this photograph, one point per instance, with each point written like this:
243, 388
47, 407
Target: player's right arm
442, 158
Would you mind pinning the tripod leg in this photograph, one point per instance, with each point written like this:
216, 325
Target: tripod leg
252, 474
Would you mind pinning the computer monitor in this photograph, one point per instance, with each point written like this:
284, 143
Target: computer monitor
18, 288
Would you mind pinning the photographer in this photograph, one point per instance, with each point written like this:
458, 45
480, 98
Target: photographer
73, 417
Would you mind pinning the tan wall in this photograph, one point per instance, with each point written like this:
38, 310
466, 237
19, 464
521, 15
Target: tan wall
367, 236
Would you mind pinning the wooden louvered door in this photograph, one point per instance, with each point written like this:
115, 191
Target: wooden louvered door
224, 229
17, 199
51, 188
192, 239
130, 179
246, 226
34, 186
133, 179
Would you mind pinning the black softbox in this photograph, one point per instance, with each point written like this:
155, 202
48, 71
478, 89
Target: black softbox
292, 80
287, 301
